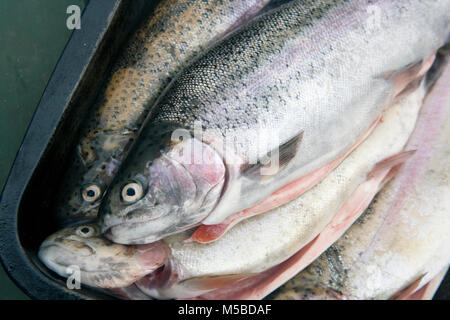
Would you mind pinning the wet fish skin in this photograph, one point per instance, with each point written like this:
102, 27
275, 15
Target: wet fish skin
170, 38
403, 236
101, 263
280, 69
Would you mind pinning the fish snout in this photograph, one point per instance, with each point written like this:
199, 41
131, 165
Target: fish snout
59, 257
48, 255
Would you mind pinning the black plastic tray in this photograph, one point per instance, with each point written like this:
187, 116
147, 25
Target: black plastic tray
25, 218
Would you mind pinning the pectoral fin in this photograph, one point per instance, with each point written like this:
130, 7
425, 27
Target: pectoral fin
409, 289
403, 77
390, 163
277, 160
429, 289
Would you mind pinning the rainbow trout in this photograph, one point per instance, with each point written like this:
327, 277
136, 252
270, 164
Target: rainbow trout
272, 104
167, 41
402, 241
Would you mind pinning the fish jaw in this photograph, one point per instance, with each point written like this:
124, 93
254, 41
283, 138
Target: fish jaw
100, 263
182, 186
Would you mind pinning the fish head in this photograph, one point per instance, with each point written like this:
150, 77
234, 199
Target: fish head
77, 248
163, 193
98, 261
94, 166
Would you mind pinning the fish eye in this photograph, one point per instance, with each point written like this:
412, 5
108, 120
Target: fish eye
132, 192
91, 193
85, 231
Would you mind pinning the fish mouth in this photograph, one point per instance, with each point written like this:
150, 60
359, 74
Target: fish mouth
48, 245
50, 254
110, 234
113, 231
124, 234
131, 222
52, 260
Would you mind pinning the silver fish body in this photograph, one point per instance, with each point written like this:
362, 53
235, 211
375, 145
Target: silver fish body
307, 79
266, 240
403, 238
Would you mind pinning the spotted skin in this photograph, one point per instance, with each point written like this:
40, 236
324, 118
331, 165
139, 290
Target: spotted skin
177, 32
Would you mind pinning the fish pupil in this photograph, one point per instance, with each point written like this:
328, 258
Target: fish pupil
131, 192
90, 193
85, 230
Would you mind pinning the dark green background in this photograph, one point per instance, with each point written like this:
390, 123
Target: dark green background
33, 34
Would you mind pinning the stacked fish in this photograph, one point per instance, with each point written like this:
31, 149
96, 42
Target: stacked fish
245, 149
